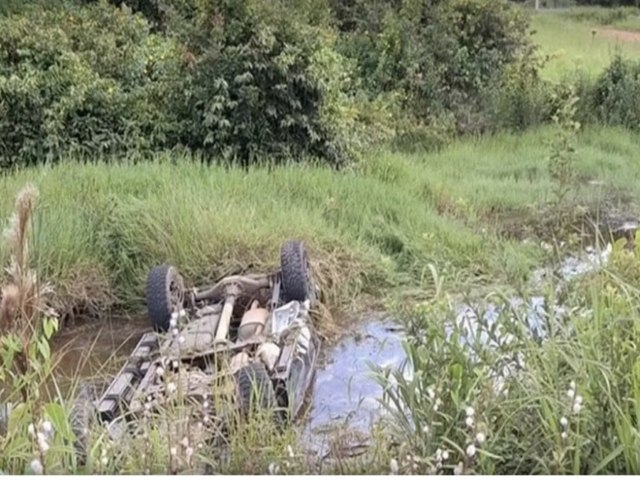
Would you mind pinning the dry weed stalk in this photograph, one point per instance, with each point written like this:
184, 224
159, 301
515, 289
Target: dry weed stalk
23, 300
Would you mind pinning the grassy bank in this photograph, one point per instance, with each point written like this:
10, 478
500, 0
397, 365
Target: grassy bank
466, 209
577, 44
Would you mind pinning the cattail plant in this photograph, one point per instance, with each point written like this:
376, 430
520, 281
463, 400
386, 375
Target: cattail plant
26, 326
24, 300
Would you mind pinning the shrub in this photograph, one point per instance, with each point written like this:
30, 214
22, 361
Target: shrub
616, 96
519, 98
264, 84
92, 81
439, 55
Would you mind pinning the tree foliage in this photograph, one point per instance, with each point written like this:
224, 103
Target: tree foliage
245, 79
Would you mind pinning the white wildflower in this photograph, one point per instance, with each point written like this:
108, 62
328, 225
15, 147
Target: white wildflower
273, 469
431, 392
571, 393
577, 407
183, 313
459, 469
104, 461
445, 455
471, 450
578, 399
572, 385
564, 435
36, 467
181, 339
469, 422
290, 451
47, 428
470, 411
185, 442
43, 446
205, 404
32, 430
171, 387
564, 422
393, 466
160, 371
439, 454
175, 332
425, 429
189, 452
173, 451
173, 322
480, 438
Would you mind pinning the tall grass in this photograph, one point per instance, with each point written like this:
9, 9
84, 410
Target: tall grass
100, 228
511, 403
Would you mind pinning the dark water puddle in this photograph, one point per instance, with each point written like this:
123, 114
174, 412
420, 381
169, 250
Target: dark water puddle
96, 349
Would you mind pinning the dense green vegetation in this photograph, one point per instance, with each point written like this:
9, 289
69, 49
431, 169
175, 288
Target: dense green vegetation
399, 139
246, 81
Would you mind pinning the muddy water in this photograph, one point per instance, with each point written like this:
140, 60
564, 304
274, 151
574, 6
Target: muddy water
97, 348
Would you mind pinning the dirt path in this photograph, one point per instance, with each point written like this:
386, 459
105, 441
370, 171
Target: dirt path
622, 35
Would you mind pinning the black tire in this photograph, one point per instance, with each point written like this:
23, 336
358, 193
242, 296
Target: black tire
297, 283
255, 389
165, 295
83, 416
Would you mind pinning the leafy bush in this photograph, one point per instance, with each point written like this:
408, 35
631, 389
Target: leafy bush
519, 98
439, 55
264, 83
616, 96
255, 82
92, 81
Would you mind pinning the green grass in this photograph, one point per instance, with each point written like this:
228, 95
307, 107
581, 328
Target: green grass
100, 228
572, 47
